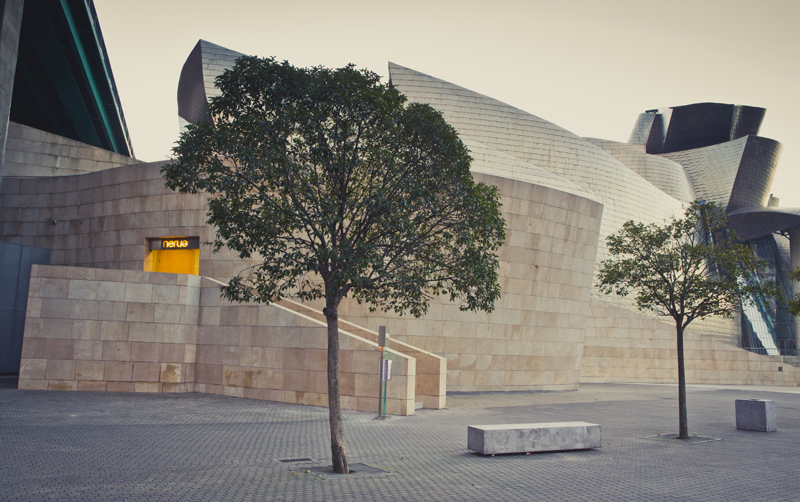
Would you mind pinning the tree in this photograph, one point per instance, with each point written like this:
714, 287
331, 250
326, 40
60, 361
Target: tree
793, 304
338, 187
686, 269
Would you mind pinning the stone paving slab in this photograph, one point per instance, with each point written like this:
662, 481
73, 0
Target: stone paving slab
195, 447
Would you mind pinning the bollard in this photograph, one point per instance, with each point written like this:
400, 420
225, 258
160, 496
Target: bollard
381, 386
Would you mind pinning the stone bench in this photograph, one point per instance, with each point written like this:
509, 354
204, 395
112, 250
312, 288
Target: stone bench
524, 438
756, 415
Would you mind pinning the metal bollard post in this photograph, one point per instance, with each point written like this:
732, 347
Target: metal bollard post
381, 397
386, 376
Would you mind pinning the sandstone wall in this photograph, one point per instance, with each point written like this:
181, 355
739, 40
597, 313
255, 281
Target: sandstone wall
623, 346
114, 330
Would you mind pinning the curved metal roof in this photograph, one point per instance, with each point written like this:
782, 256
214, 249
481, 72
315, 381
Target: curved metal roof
754, 222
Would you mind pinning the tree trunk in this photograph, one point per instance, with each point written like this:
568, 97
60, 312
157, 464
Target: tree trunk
339, 456
683, 422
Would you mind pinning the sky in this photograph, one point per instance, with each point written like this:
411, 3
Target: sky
588, 66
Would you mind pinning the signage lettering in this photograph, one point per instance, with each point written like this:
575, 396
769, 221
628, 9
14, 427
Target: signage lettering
167, 243
174, 244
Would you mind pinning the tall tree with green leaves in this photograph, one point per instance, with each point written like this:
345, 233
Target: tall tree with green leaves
686, 269
339, 188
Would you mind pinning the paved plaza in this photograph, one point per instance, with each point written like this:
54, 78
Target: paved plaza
196, 447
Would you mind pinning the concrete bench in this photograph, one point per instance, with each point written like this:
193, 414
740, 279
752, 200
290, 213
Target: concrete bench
524, 438
756, 415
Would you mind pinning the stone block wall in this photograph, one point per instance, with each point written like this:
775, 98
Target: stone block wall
431, 384
32, 152
115, 330
274, 353
623, 346
109, 330
533, 340
104, 219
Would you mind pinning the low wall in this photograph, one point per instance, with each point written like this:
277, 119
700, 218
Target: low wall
115, 330
623, 346
431, 385
271, 352
109, 330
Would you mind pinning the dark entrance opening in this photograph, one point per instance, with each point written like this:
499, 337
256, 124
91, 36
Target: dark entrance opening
15, 277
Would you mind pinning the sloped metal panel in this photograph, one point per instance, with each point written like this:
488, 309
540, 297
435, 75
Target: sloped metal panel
755, 174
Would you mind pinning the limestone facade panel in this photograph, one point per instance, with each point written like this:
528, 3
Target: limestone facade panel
104, 220
533, 339
31, 152
623, 346
211, 346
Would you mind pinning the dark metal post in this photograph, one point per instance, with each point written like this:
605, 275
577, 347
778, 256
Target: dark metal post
381, 344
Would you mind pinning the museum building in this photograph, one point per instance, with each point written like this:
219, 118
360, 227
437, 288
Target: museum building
121, 294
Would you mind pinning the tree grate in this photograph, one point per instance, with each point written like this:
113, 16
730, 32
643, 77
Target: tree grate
356, 470
692, 438
290, 460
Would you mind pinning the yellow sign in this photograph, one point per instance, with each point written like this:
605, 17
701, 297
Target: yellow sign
174, 244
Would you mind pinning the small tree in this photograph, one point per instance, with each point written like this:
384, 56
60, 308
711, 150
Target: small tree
685, 269
339, 188
793, 304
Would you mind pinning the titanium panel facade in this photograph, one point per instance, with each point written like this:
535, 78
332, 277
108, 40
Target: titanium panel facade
196, 84
625, 194
666, 175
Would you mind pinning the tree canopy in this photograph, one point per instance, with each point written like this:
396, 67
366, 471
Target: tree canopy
327, 172
686, 269
338, 187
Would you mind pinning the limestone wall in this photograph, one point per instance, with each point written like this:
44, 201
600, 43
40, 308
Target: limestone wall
533, 340
271, 352
114, 330
103, 219
623, 346
431, 383
32, 152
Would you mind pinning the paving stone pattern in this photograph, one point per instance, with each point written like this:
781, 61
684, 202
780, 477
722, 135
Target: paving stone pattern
195, 447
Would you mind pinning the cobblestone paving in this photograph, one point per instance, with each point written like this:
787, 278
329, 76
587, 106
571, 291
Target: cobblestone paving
194, 447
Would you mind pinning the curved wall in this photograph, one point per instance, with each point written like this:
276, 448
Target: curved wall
196, 84
624, 346
734, 174
704, 124
104, 219
624, 194
664, 174
533, 340
493, 162
32, 152
755, 174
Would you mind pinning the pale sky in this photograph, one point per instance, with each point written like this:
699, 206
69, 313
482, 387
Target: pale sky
586, 65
